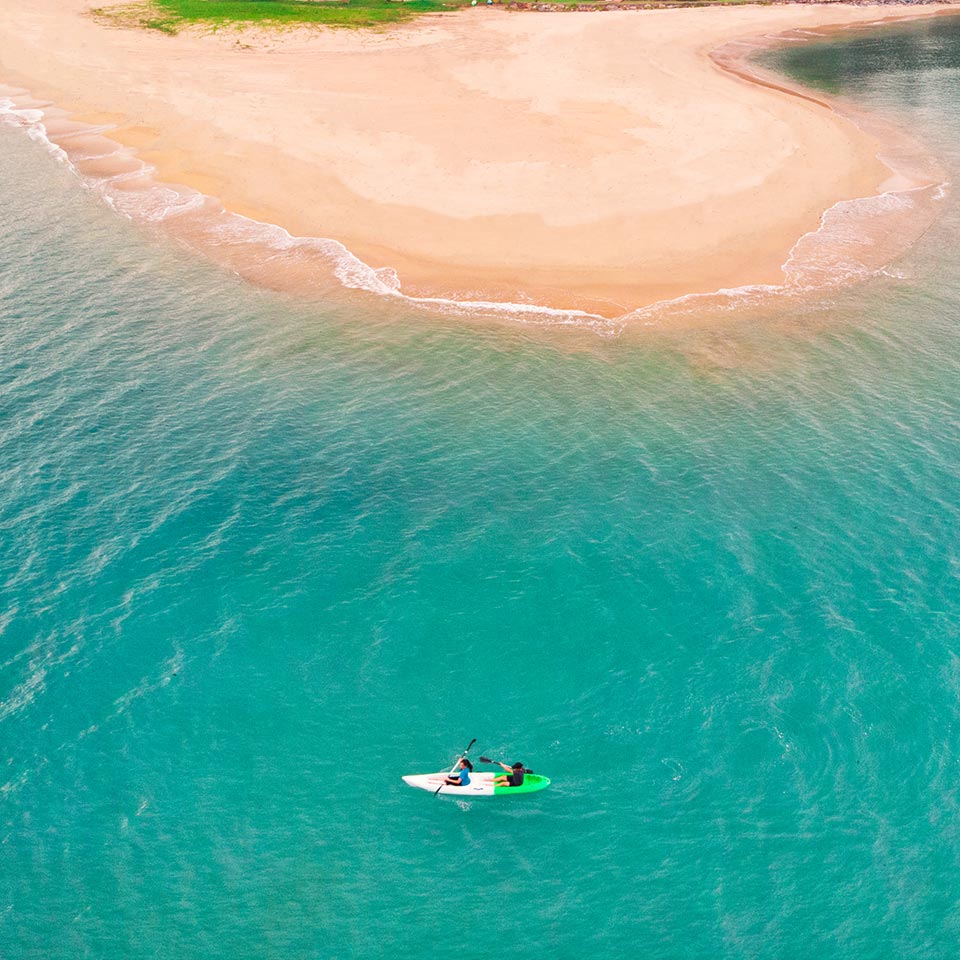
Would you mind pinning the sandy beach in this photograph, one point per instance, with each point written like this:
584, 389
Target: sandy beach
600, 162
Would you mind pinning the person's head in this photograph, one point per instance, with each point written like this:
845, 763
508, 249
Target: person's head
518, 766
465, 764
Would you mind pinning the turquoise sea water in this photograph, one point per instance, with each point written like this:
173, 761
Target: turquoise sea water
260, 557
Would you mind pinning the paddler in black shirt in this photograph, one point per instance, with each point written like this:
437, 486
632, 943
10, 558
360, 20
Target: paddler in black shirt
514, 780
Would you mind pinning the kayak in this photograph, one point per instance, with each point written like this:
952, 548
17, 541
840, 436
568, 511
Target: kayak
481, 785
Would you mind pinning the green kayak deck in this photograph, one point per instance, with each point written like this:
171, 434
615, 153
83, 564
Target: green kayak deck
532, 782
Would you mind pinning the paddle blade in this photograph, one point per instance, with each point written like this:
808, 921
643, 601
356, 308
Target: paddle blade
487, 760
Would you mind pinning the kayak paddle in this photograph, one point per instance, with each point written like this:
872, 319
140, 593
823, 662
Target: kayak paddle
488, 760
457, 764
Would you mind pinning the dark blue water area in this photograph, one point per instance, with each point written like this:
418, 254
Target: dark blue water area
261, 557
911, 60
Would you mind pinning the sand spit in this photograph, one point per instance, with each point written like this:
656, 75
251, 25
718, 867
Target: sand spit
594, 164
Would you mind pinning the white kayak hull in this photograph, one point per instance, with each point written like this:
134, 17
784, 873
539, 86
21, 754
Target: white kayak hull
481, 784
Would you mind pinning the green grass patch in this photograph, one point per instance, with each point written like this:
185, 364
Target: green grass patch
172, 15
340, 13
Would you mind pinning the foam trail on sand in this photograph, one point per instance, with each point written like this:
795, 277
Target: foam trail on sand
857, 238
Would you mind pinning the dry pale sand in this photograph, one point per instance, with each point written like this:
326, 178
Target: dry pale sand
602, 161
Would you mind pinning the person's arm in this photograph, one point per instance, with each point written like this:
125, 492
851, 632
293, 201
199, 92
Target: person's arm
505, 767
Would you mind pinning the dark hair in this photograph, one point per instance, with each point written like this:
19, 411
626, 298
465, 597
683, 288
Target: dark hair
518, 766
468, 764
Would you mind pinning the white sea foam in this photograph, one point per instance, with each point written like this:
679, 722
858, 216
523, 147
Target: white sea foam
11, 113
844, 249
155, 203
354, 274
856, 239
31, 119
723, 300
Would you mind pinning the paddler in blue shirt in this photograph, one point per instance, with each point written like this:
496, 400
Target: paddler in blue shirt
461, 779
